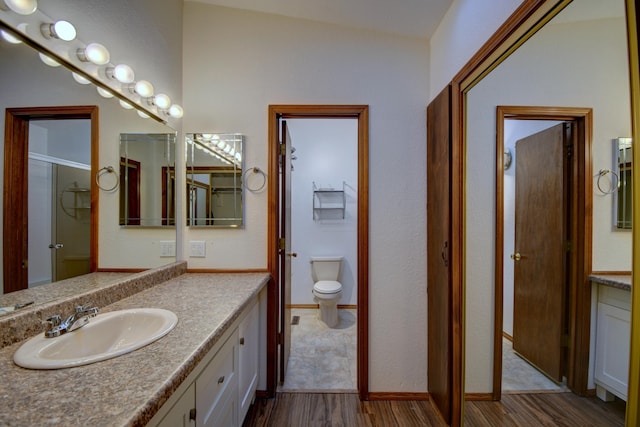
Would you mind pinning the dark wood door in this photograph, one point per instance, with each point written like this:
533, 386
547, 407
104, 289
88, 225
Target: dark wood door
540, 258
439, 297
285, 249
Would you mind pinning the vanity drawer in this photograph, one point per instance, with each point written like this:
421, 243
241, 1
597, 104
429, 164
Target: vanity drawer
217, 386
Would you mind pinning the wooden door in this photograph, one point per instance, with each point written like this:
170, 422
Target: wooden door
285, 249
541, 242
439, 296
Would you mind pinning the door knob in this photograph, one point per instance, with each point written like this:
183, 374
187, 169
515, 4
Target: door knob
516, 256
292, 254
56, 246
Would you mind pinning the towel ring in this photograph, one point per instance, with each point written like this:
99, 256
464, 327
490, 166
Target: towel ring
614, 184
255, 170
102, 171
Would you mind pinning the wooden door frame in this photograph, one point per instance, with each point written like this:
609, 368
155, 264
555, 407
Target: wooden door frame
580, 225
361, 113
16, 154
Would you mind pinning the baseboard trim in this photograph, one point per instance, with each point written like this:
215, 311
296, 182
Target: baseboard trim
478, 396
398, 396
315, 306
507, 336
222, 270
262, 394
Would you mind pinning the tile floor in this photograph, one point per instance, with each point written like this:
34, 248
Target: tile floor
322, 358
519, 375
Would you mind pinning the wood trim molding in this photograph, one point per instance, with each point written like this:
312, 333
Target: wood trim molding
360, 112
230, 270
385, 395
315, 306
482, 397
580, 311
611, 273
15, 185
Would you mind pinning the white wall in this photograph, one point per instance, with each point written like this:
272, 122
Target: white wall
236, 63
327, 154
564, 65
467, 25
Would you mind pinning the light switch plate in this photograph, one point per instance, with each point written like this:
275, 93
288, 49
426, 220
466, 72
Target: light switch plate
167, 248
197, 249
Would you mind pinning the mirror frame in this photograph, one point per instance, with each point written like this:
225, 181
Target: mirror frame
528, 18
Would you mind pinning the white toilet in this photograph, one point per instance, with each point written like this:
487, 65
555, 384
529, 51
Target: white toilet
327, 290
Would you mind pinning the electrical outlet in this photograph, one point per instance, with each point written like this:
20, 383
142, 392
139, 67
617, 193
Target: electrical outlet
197, 248
167, 248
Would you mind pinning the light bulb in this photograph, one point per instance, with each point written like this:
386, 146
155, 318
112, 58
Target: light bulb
10, 37
104, 93
48, 60
176, 111
22, 7
143, 114
207, 136
143, 88
126, 105
95, 53
162, 101
80, 79
121, 72
62, 30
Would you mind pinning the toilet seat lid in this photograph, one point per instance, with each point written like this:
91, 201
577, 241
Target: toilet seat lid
327, 286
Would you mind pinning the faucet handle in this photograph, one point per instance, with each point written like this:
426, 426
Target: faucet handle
53, 321
87, 310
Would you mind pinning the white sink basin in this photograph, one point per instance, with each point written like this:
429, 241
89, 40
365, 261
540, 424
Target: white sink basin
105, 336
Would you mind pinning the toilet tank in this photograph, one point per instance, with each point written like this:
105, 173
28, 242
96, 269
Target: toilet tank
325, 268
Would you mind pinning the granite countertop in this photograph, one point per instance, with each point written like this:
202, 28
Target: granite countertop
621, 281
128, 390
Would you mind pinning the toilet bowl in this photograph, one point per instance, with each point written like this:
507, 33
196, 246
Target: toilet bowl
327, 290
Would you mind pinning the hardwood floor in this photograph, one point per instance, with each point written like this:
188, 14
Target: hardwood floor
345, 409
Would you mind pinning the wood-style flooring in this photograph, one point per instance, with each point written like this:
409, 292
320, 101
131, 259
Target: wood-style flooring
345, 409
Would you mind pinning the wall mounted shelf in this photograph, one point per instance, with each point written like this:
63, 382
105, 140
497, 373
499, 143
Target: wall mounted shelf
328, 203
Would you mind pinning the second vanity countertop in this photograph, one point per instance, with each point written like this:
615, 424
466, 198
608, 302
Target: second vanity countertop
128, 390
621, 281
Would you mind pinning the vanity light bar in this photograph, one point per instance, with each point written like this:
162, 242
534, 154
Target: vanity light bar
119, 79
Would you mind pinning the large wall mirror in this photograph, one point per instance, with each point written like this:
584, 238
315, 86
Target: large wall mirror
578, 61
214, 179
64, 157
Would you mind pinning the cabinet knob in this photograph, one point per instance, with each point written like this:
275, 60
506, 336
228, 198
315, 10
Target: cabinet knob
221, 380
242, 341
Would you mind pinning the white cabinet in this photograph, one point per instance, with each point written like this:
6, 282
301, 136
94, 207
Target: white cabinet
612, 343
183, 413
217, 388
248, 350
221, 388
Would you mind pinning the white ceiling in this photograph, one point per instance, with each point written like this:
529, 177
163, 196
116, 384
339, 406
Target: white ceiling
411, 18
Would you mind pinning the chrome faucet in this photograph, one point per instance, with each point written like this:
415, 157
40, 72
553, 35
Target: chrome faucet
56, 326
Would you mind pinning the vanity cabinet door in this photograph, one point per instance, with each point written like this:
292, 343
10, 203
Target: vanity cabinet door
217, 388
182, 414
248, 351
612, 349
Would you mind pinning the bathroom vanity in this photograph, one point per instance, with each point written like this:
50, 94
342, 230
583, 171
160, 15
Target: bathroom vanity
613, 334
206, 368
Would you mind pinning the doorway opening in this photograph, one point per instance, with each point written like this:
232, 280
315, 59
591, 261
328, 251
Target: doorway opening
76, 199
323, 180
566, 334
279, 327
